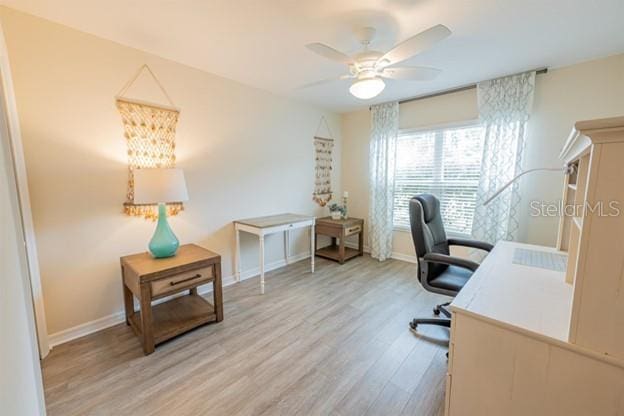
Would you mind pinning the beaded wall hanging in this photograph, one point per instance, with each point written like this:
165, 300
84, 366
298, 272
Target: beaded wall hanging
323, 169
150, 135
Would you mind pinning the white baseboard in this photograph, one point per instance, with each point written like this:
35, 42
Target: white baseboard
87, 328
118, 317
247, 274
354, 245
404, 257
395, 255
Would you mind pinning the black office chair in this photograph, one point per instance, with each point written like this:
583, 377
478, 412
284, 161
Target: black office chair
439, 272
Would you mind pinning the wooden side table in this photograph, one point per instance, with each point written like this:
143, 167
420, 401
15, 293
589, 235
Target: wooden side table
340, 229
149, 279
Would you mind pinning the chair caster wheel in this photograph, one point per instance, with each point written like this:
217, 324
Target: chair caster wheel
436, 311
413, 325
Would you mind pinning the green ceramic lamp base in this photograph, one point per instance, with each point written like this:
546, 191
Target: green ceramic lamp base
164, 243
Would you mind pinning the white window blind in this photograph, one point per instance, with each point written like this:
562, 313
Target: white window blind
445, 162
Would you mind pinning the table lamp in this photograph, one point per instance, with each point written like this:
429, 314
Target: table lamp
159, 186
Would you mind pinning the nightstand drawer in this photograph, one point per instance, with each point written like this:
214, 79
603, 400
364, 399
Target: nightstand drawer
353, 230
182, 281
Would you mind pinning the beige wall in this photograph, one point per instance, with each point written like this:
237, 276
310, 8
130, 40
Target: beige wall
563, 95
244, 152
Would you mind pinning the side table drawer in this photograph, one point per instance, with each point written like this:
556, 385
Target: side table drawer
330, 231
353, 230
182, 281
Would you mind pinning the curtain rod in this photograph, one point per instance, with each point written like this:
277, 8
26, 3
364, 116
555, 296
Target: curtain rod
457, 89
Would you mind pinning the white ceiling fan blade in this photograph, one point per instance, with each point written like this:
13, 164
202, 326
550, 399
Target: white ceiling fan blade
325, 81
414, 45
329, 53
414, 73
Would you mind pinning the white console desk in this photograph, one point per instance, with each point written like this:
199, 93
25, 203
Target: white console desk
263, 226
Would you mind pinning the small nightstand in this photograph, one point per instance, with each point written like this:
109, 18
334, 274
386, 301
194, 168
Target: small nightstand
340, 229
150, 279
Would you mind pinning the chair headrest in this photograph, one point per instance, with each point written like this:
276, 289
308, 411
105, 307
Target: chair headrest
430, 204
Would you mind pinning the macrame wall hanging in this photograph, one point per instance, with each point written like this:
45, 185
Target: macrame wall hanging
150, 135
323, 167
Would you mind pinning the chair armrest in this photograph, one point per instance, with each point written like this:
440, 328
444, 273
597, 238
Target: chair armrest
450, 260
482, 245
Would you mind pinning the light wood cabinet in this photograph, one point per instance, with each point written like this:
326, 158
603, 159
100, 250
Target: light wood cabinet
593, 234
530, 341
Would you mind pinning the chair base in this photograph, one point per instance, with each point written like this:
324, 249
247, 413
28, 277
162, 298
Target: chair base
430, 321
433, 321
442, 308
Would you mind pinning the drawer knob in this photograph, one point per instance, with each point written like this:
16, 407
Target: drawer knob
197, 276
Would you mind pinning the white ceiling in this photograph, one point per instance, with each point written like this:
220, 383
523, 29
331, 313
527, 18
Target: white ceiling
261, 42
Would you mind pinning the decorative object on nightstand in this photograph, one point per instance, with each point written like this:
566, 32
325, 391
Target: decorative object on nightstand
149, 279
339, 229
339, 212
336, 212
160, 186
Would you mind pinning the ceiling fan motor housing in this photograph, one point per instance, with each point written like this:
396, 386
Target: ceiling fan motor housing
367, 74
365, 61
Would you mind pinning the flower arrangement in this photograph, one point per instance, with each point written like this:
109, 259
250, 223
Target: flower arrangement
337, 211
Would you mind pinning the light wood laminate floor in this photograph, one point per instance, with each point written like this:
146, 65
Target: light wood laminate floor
335, 342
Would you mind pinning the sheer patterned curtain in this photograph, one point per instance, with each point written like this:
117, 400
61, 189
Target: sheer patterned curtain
504, 108
383, 137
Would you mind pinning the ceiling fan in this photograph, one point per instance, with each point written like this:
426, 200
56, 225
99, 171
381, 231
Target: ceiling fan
368, 68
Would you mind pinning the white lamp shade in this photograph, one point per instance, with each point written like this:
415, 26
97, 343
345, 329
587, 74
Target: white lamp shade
367, 88
153, 186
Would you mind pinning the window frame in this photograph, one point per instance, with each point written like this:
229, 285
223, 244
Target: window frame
419, 130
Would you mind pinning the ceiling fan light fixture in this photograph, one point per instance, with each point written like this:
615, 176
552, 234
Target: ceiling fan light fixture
367, 88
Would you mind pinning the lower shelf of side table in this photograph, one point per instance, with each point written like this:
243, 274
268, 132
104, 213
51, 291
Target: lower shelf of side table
332, 252
176, 316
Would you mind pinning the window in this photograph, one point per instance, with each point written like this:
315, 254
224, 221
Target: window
445, 162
